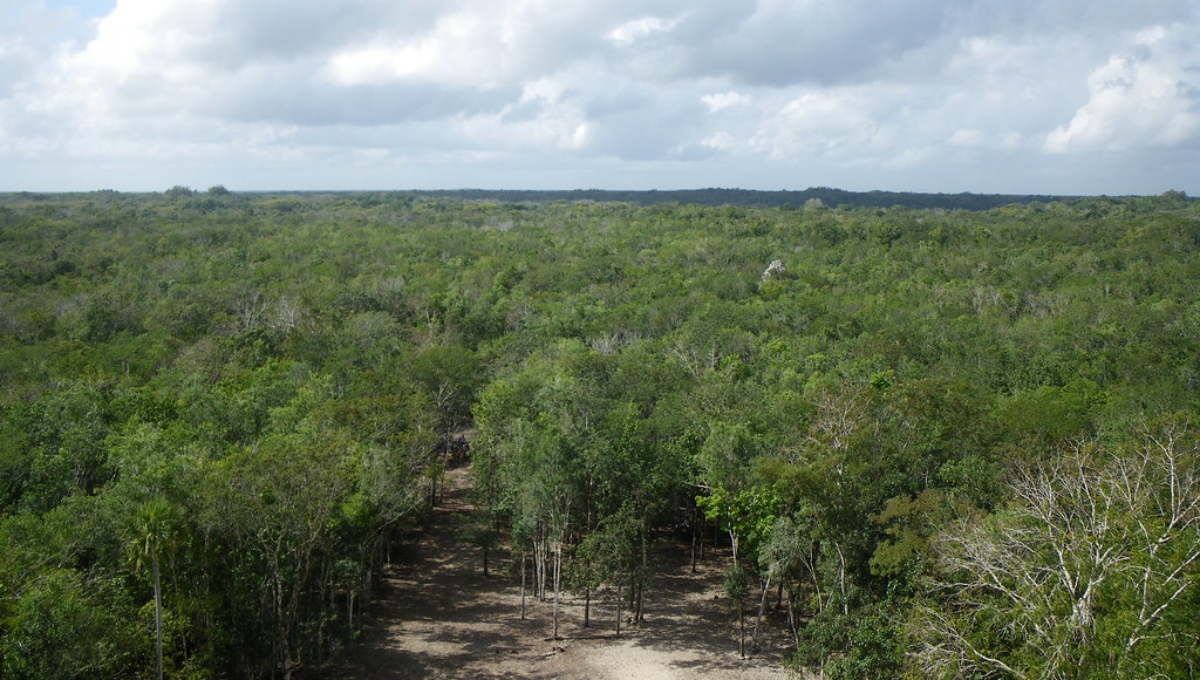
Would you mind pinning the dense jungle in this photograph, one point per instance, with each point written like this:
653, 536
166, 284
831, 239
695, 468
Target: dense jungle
942, 442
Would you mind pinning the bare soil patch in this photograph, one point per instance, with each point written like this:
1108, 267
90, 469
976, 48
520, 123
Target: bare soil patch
437, 616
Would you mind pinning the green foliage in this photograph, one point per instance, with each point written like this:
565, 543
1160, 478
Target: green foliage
736, 584
249, 389
853, 641
62, 625
747, 515
451, 375
608, 554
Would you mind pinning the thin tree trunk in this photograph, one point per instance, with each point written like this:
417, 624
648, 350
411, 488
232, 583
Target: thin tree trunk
183, 639
792, 617
368, 578
842, 579
587, 607
158, 634
557, 575
637, 603
639, 616
816, 581
283, 636
537, 567
762, 604
539, 558
693, 549
524, 569
620, 599
741, 628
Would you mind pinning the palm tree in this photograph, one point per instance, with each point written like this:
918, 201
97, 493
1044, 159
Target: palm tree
154, 535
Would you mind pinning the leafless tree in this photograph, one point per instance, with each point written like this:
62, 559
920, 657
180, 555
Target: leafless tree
1096, 548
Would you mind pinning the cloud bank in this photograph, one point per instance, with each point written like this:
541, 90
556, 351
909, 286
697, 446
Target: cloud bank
1052, 96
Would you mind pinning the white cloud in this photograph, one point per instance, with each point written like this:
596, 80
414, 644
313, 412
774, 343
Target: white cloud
637, 29
720, 140
723, 100
463, 48
542, 119
1147, 97
14, 47
818, 123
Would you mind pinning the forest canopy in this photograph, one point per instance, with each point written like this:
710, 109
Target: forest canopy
962, 442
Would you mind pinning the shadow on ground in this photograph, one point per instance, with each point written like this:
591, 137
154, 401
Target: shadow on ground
438, 616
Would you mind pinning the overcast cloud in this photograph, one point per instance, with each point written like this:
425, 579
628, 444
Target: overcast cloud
1011, 96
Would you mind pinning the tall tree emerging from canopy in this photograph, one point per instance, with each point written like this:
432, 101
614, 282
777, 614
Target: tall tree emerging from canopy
156, 531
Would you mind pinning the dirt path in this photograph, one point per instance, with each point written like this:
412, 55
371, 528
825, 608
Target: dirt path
439, 617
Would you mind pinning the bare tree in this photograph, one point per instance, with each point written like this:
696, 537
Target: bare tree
1078, 573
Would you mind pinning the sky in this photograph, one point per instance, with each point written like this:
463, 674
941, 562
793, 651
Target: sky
1076, 97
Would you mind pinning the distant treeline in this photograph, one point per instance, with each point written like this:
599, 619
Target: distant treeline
748, 198
759, 199
708, 197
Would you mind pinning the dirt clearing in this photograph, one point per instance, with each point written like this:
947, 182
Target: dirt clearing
439, 617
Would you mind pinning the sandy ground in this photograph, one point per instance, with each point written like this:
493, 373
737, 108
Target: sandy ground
439, 617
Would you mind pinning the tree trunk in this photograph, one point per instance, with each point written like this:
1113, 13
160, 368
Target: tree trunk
762, 604
693, 549
620, 599
158, 634
816, 580
637, 603
792, 617
524, 569
639, 616
557, 576
842, 579
587, 607
539, 558
283, 650
741, 628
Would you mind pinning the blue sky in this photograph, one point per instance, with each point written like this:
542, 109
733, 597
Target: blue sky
1007, 96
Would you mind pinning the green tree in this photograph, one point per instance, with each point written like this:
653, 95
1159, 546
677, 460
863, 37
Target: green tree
154, 535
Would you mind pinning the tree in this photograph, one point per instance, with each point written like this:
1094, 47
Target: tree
278, 506
154, 535
748, 516
1077, 578
62, 626
450, 373
608, 555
